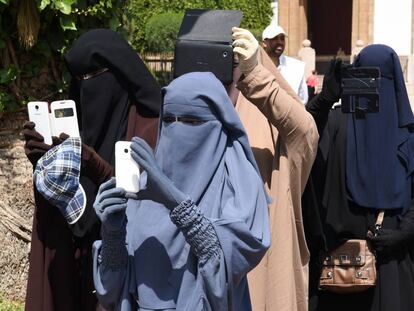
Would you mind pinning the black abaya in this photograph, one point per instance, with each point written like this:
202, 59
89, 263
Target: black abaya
342, 219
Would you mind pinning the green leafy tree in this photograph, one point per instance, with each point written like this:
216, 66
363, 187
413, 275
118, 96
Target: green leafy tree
256, 15
161, 31
35, 34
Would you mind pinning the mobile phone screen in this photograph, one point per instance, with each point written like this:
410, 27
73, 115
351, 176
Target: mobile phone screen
64, 112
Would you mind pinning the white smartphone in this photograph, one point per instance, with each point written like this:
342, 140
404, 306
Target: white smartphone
39, 114
64, 118
126, 169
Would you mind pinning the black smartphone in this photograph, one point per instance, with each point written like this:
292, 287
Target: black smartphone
204, 43
360, 89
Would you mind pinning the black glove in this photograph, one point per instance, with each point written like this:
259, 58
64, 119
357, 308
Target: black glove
95, 167
320, 105
34, 146
331, 87
388, 241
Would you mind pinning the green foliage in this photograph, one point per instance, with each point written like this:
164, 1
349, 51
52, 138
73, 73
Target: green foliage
256, 14
161, 31
257, 33
35, 36
6, 305
8, 75
31, 57
7, 102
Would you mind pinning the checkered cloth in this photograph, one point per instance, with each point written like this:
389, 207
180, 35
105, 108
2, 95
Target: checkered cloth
57, 179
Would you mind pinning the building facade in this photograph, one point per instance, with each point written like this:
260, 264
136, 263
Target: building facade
335, 26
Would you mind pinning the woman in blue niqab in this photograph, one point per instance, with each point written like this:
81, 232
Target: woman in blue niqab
201, 223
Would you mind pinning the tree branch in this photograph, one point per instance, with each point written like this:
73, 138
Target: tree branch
15, 223
13, 56
54, 70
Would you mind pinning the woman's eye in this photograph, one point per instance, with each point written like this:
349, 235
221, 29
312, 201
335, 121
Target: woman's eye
191, 121
186, 120
169, 119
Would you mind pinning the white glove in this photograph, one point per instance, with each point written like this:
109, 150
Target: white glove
246, 46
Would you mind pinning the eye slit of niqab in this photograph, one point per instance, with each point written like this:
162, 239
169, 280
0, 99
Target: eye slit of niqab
186, 120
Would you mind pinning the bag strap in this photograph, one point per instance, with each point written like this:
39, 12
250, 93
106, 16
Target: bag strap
380, 220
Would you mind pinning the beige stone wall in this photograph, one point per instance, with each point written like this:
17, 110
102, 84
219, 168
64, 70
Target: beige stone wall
362, 21
292, 17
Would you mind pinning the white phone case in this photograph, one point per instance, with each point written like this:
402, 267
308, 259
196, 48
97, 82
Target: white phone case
64, 118
39, 114
126, 169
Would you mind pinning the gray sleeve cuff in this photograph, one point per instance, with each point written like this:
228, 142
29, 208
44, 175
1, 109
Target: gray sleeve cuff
114, 254
197, 229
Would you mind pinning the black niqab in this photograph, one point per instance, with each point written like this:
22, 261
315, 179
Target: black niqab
104, 48
103, 101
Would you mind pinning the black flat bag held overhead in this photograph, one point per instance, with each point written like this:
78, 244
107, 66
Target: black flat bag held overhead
360, 89
204, 43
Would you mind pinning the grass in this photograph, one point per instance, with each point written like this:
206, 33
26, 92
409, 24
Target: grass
7, 305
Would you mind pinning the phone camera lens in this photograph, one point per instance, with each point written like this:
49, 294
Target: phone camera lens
37, 107
225, 54
126, 150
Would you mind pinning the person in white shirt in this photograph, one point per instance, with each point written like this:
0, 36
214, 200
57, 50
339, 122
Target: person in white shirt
292, 70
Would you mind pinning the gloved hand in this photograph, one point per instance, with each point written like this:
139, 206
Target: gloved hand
331, 88
35, 148
159, 187
110, 205
246, 46
94, 167
58, 140
389, 241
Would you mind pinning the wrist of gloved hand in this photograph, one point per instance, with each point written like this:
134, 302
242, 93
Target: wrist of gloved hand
386, 241
114, 253
197, 229
247, 66
94, 167
331, 87
320, 103
406, 226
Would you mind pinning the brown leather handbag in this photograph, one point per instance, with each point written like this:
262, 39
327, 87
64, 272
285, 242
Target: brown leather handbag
350, 268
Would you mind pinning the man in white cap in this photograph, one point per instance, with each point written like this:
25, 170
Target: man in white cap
292, 70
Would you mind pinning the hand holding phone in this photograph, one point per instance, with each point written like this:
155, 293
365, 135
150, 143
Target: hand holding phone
64, 118
39, 115
126, 169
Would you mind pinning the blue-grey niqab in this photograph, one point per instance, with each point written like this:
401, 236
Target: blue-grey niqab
213, 164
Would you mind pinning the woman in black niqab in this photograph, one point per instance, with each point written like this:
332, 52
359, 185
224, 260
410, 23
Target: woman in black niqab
365, 164
116, 98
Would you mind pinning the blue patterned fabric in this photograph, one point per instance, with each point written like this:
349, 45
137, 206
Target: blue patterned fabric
57, 179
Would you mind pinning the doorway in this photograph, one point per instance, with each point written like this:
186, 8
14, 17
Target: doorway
330, 26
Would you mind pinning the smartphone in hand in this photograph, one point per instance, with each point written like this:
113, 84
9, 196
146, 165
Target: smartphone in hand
39, 114
126, 169
64, 118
